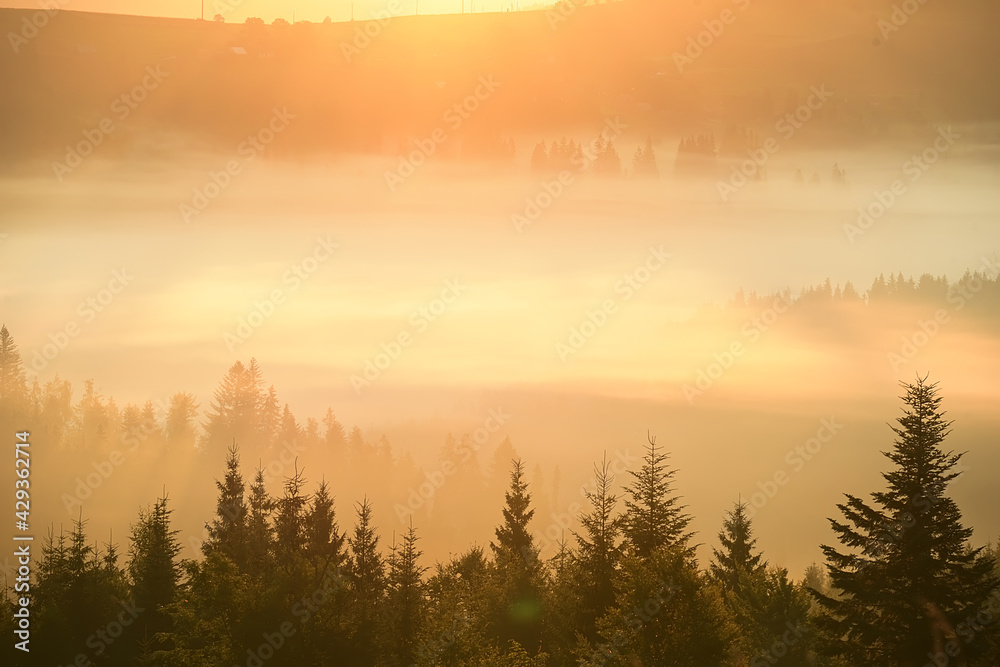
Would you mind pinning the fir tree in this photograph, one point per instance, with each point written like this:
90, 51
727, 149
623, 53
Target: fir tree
324, 543
599, 549
519, 568
77, 588
291, 535
154, 569
737, 553
13, 386
335, 437
180, 427
367, 577
908, 575
227, 533
644, 160
404, 601
260, 532
654, 518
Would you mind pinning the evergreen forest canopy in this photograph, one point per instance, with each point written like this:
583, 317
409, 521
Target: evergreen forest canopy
291, 578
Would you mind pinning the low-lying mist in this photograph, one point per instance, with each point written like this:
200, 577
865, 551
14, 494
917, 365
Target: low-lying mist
568, 314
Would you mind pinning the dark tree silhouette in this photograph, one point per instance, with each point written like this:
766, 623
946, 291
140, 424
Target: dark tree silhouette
599, 549
737, 554
908, 574
260, 531
367, 577
154, 570
518, 568
654, 518
227, 533
405, 601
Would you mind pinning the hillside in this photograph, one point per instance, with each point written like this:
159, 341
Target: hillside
555, 71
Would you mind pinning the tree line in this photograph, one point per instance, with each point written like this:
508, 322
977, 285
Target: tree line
280, 582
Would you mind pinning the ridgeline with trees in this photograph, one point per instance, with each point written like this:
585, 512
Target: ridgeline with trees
295, 579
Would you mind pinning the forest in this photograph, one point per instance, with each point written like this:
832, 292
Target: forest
288, 576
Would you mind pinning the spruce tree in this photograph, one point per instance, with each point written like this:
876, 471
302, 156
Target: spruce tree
738, 546
241, 410
367, 581
599, 549
227, 533
334, 436
654, 518
909, 578
181, 427
404, 601
291, 536
518, 568
13, 386
154, 569
77, 589
666, 614
324, 543
260, 531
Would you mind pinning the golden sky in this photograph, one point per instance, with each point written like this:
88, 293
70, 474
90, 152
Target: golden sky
239, 10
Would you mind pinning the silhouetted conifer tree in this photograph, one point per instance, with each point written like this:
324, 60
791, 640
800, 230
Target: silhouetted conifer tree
405, 601
654, 518
737, 553
154, 570
227, 533
367, 584
599, 549
910, 579
518, 568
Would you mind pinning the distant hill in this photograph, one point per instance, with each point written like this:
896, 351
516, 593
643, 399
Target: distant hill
556, 68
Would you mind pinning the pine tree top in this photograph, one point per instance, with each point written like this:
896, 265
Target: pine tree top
737, 554
654, 518
907, 556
